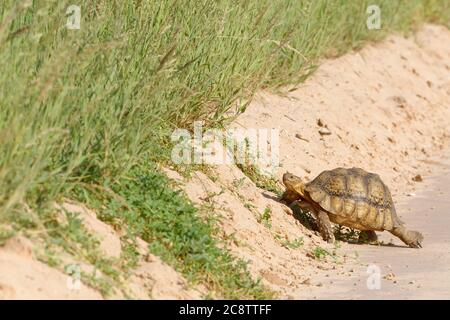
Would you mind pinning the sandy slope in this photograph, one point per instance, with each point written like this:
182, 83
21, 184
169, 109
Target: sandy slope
387, 109
23, 276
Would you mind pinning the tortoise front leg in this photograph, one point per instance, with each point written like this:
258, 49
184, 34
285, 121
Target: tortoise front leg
300, 210
289, 196
305, 206
322, 220
325, 227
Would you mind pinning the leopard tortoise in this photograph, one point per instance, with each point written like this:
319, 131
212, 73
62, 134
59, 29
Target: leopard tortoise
350, 197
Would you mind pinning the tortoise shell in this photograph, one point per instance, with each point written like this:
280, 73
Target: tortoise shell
355, 198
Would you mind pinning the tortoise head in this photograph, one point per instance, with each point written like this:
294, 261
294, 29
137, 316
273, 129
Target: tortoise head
294, 183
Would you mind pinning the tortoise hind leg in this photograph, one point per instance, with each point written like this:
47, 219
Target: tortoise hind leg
325, 227
368, 236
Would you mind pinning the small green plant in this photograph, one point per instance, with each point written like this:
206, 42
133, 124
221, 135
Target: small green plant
50, 256
249, 205
210, 195
104, 285
239, 183
337, 245
266, 217
320, 253
294, 244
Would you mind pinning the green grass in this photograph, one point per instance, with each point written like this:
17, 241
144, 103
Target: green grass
81, 109
261, 180
145, 206
265, 218
294, 244
320, 253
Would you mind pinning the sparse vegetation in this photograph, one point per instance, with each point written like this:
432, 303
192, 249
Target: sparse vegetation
5, 233
265, 217
262, 181
294, 244
320, 253
146, 207
239, 183
108, 274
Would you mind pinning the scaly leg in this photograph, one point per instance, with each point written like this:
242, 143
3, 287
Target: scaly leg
305, 206
289, 196
411, 238
325, 227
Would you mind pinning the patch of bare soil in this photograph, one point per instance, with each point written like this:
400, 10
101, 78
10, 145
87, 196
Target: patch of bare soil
384, 109
23, 276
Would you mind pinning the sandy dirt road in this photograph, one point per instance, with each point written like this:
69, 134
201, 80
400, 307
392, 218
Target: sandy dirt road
405, 273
